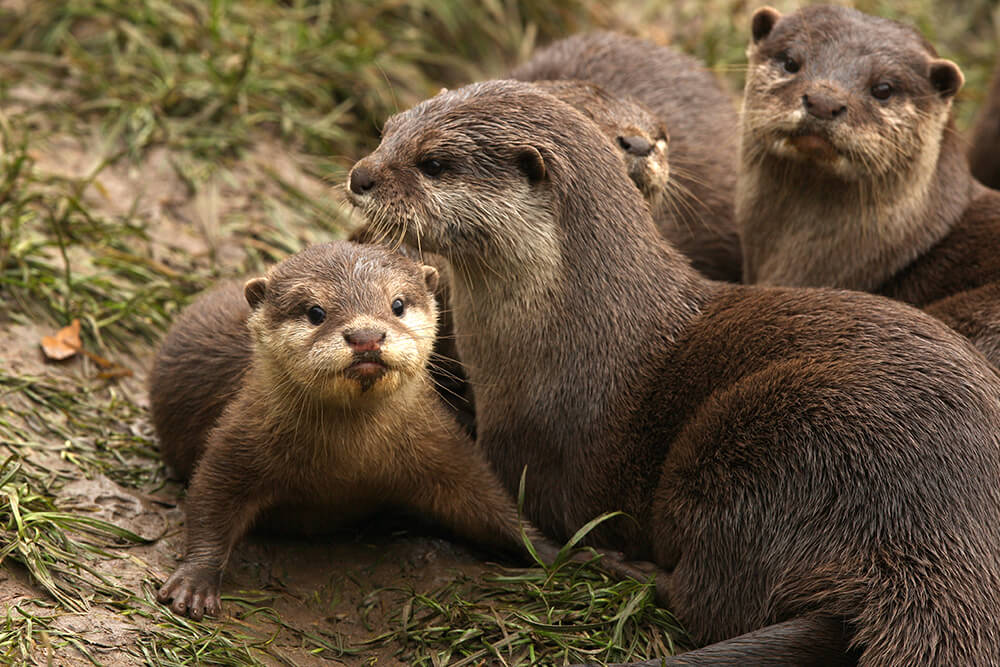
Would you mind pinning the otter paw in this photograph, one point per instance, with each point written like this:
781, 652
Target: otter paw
192, 591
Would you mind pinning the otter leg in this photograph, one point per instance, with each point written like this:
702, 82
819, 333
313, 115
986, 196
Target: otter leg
455, 485
804, 642
222, 502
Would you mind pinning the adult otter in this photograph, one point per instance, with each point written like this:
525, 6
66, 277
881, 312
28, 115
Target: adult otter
642, 139
309, 397
853, 175
697, 215
816, 457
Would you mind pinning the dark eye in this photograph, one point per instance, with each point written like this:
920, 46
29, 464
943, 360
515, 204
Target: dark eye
881, 91
790, 64
398, 307
316, 314
431, 167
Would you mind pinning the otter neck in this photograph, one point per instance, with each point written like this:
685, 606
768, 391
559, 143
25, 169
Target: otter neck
801, 227
557, 373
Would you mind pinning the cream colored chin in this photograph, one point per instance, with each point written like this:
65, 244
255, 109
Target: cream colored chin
783, 147
343, 390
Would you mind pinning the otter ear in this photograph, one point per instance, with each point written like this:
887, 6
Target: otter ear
764, 19
254, 290
946, 77
531, 163
430, 277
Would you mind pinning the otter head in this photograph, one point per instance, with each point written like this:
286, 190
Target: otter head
340, 321
492, 175
858, 96
634, 129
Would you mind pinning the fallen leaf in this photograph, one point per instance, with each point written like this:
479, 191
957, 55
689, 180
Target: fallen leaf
64, 344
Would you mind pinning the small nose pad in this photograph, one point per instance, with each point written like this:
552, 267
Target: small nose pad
639, 146
365, 340
361, 180
823, 106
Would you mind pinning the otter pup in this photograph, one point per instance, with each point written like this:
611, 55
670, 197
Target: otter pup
696, 216
853, 175
984, 154
310, 396
800, 457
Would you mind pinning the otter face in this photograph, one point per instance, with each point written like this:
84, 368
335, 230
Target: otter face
341, 321
445, 181
630, 125
855, 95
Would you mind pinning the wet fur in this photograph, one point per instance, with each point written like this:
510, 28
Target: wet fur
697, 214
897, 212
299, 441
784, 453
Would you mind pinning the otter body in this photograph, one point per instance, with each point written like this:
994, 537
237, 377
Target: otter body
984, 153
332, 413
696, 216
789, 456
853, 175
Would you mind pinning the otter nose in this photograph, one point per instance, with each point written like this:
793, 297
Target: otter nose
361, 180
823, 105
636, 145
365, 340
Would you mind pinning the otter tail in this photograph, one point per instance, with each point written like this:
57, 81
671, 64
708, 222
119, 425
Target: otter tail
808, 641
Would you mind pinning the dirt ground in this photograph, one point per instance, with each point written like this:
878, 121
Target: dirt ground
344, 588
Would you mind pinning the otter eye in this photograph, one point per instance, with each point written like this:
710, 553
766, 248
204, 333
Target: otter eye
881, 91
316, 314
790, 64
431, 167
398, 307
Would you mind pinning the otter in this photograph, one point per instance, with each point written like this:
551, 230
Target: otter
308, 397
853, 175
696, 216
643, 141
819, 466
984, 154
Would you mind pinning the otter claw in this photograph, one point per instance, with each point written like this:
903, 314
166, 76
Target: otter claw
192, 592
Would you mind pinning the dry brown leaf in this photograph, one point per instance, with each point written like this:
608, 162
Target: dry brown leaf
64, 344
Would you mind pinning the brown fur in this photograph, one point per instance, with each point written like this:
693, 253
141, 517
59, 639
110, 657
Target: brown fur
621, 119
876, 198
697, 214
304, 432
984, 153
785, 453
197, 372
446, 370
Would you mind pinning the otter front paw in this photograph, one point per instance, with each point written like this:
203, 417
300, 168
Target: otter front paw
193, 591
